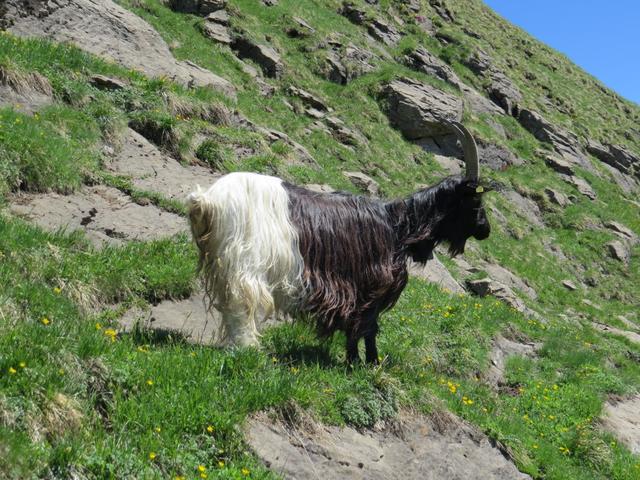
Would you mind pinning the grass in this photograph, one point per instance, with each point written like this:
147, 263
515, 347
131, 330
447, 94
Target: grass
79, 397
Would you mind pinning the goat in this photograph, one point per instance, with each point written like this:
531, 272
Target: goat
266, 245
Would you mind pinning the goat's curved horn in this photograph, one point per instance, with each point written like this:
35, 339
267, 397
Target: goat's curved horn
469, 148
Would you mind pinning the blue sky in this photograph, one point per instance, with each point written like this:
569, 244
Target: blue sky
603, 37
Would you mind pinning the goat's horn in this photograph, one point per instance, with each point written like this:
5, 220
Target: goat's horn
469, 148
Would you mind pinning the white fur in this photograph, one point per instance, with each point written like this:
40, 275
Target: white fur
249, 253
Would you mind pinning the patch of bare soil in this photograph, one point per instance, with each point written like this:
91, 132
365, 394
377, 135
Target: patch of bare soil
417, 447
105, 214
151, 170
622, 419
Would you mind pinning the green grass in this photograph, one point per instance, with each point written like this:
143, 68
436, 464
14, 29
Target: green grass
90, 401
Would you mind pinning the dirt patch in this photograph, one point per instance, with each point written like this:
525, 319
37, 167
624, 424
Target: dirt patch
105, 214
503, 348
622, 420
416, 447
151, 170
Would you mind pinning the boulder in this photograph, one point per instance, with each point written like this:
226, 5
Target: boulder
343, 134
479, 62
582, 185
219, 16
441, 8
617, 156
216, 32
618, 251
504, 93
354, 14
435, 272
308, 98
334, 70
383, 32
565, 143
343, 66
418, 110
485, 286
559, 165
557, 197
263, 55
300, 28
622, 231
424, 61
103, 82
525, 207
201, 7
569, 285
496, 157
108, 30
363, 182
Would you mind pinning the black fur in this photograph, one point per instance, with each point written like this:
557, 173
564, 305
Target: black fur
355, 250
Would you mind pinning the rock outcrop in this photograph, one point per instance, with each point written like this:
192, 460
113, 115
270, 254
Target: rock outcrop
106, 29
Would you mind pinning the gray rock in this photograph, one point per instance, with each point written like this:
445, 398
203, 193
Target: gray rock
318, 188
441, 8
308, 98
216, 32
582, 185
435, 272
363, 182
301, 152
421, 448
343, 66
621, 419
106, 215
496, 157
300, 28
106, 29
479, 62
506, 277
263, 55
106, 83
201, 7
617, 156
425, 24
220, 16
504, 348
344, 134
618, 251
525, 207
504, 93
334, 70
569, 285
26, 93
383, 32
418, 110
559, 165
564, 142
622, 231
424, 61
557, 197
480, 104
354, 14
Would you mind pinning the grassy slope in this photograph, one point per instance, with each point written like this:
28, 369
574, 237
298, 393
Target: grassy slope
83, 401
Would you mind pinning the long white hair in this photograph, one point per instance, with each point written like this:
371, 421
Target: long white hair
249, 255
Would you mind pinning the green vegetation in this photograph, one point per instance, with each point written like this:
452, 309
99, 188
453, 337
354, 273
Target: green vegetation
79, 397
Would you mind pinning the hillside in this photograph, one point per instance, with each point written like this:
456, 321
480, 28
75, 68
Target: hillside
518, 359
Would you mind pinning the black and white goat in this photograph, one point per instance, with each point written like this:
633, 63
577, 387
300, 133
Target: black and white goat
268, 245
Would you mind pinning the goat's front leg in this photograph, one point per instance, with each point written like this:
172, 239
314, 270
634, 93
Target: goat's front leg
371, 348
352, 349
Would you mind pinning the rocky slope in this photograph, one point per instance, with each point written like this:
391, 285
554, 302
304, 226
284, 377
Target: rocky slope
338, 95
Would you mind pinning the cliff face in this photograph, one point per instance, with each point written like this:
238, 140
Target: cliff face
111, 111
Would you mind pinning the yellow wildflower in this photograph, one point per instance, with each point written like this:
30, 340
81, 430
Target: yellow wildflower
149, 382
203, 475
202, 468
158, 429
98, 326
220, 463
152, 455
23, 364
57, 290
535, 445
111, 333
210, 429
245, 471
12, 370
45, 321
